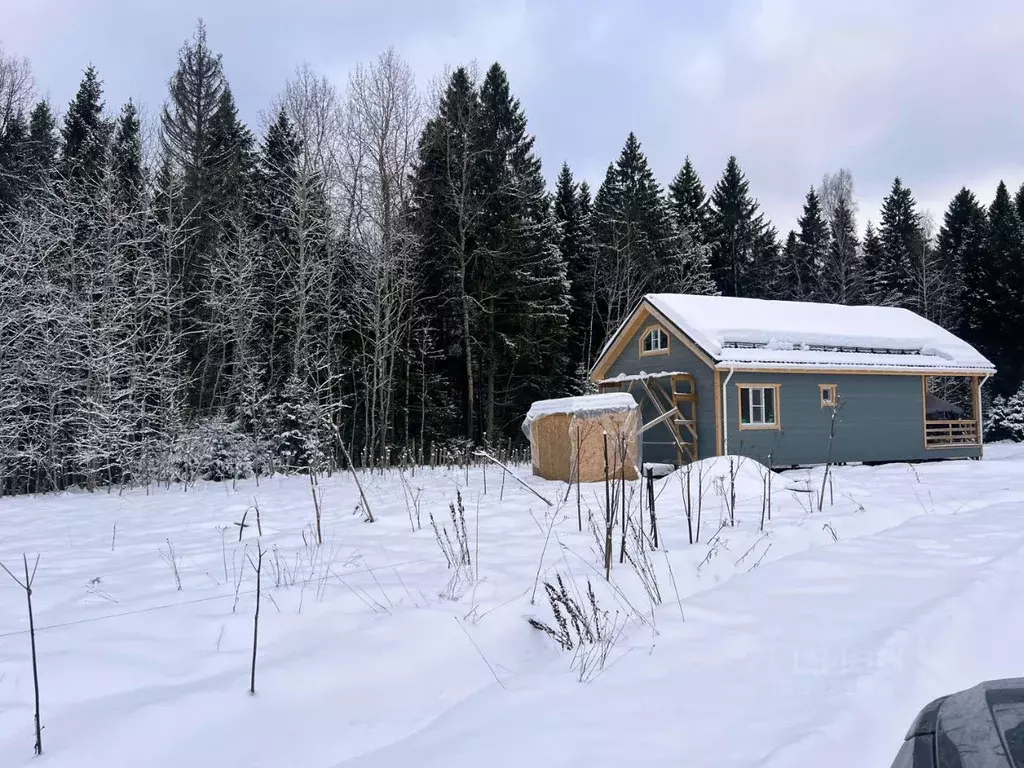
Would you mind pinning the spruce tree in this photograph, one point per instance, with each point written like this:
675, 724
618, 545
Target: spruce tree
85, 133
15, 176
445, 219
591, 321
871, 263
689, 203
1018, 200
232, 148
199, 137
1013, 417
578, 258
735, 227
842, 278
790, 259
961, 250
525, 293
43, 144
767, 275
276, 176
900, 234
1002, 301
813, 240
126, 157
636, 243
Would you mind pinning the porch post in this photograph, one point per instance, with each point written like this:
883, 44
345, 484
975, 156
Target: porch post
976, 399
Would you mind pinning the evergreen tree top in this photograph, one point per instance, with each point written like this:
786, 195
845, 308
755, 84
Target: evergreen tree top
126, 154
566, 191
964, 217
898, 208
43, 143
85, 133
196, 90
689, 200
84, 115
730, 198
1006, 238
812, 223
281, 147
584, 196
460, 101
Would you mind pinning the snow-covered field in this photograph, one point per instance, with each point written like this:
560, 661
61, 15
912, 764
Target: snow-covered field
814, 643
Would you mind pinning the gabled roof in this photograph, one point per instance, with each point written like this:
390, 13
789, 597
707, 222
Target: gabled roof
738, 333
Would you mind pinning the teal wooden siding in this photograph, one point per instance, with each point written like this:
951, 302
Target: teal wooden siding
658, 445
880, 419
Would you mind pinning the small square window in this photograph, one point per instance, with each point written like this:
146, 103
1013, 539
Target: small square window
829, 394
655, 342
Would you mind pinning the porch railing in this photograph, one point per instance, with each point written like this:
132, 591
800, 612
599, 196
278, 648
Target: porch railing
939, 434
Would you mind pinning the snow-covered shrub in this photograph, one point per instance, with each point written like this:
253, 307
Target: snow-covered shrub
231, 451
301, 433
212, 449
1014, 420
995, 419
1006, 418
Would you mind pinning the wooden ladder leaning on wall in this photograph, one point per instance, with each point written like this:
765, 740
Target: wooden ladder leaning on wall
677, 407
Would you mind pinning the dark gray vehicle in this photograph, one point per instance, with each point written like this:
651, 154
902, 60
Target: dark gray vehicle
981, 727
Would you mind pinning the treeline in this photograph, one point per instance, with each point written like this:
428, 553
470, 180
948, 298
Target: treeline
366, 274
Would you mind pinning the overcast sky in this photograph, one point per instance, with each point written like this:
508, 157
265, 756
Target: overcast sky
931, 90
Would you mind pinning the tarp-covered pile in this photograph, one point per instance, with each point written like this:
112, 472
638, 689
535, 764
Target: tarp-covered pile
567, 437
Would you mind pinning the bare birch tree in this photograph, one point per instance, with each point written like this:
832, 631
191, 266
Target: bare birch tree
383, 122
17, 87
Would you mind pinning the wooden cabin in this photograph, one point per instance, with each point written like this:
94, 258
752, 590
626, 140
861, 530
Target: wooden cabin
794, 383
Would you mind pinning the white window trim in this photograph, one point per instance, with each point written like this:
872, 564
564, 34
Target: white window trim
648, 331
776, 424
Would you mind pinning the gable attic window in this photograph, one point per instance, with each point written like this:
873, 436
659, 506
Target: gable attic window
759, 406
654, 342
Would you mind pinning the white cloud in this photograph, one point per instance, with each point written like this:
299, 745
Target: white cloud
927, 90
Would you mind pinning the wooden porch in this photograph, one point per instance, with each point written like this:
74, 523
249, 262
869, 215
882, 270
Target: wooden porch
959, 423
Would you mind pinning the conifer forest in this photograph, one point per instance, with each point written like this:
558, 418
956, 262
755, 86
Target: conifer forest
376, 273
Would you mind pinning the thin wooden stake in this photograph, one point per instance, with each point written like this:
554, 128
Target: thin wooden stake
654, 518
607, 516
258, 566
355, 476
485, 455
27, 586
625, 512
579, 510
242, 526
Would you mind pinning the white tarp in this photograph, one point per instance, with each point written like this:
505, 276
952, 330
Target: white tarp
582, 405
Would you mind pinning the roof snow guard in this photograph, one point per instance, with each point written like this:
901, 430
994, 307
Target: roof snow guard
740, 333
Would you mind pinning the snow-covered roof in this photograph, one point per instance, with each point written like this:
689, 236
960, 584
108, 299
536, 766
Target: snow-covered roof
759, 333
583, 405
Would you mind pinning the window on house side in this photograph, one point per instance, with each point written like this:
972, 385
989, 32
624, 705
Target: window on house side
655, 342
758, 406
829, 395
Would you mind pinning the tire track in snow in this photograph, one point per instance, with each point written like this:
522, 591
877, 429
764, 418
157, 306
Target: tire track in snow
936, 653
864, 611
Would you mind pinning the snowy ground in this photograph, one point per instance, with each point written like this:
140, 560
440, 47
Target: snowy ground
814, 643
